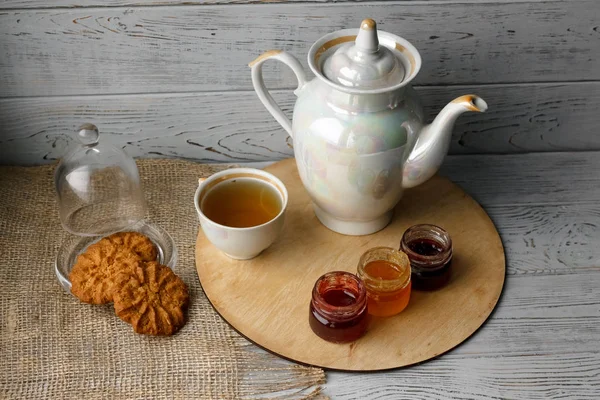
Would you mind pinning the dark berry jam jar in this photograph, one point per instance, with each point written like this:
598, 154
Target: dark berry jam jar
338, 309
429, 249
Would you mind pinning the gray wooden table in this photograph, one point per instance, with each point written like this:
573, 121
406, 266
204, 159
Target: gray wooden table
543, 339
169, 78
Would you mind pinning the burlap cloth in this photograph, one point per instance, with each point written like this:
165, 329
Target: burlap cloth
53, 346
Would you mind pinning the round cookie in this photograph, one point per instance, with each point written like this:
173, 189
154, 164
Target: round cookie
92, 275
136, 243
151, 298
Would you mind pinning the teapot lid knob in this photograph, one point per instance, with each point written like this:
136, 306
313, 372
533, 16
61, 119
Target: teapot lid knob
364, 64
367, 40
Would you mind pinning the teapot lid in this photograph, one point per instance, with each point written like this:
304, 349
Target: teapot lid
98, 187
371, 61
364, 63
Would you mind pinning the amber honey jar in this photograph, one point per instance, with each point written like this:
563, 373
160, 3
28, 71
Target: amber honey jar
429, 249
338, 309
386, 275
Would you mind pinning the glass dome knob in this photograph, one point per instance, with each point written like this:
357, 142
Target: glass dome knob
88, 135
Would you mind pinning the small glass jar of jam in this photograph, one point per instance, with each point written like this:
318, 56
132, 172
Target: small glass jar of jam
338, 309
386, 274
429, 249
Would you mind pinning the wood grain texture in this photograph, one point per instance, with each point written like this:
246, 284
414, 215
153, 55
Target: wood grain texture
529, 179
551, 239
193, 48
235, 127
273, 310
541, 315
535, 377
13, 4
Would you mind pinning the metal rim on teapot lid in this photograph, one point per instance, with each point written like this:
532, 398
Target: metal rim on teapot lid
368, 62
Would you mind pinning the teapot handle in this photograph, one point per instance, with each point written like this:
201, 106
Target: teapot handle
263, 92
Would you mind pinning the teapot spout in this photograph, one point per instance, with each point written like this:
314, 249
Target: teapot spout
434, 140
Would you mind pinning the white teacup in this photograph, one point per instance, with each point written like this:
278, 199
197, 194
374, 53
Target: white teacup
241, 243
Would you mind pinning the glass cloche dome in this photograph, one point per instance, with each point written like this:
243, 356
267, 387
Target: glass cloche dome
98, 187
99, 193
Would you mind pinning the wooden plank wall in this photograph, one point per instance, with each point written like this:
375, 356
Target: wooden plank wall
170, 78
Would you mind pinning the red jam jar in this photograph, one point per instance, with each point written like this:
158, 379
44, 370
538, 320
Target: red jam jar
338, 309
429, 249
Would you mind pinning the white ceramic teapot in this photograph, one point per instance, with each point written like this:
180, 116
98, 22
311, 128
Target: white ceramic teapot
358, 131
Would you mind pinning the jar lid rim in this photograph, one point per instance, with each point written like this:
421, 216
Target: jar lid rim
385, 285
341, 310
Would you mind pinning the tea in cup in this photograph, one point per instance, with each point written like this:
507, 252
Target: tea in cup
241, 210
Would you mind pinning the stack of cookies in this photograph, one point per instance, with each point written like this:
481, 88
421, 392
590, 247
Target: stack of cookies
122, 268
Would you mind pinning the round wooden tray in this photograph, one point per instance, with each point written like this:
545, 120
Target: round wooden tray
266, 299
